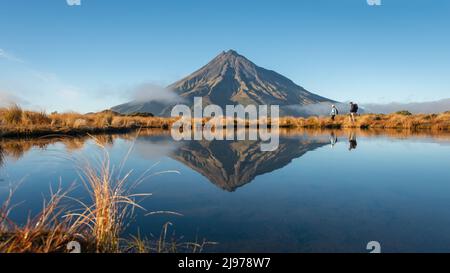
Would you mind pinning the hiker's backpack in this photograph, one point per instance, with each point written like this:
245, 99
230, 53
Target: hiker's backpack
356, 108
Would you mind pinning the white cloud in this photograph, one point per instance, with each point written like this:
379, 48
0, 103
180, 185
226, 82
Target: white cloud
42, 90
49, 91
152, 92
9, 56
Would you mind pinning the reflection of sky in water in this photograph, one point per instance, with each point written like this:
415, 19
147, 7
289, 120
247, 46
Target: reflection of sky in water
316, 198
155, 148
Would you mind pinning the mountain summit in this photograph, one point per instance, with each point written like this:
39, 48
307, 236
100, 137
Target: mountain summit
230, 78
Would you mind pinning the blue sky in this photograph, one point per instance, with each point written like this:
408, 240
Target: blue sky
90, 57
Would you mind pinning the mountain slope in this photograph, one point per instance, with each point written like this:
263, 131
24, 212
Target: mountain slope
231, 78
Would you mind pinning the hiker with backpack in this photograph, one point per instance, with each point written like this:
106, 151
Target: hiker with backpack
334, 112
353, 111
352, 141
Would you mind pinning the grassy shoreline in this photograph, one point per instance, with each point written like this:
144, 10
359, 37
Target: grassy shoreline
399, 120
55, 226
16, 123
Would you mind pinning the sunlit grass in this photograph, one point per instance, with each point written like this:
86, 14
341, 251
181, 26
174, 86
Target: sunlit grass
111, 204
12, 115
97, 224
401, 120
44, 233
16, 122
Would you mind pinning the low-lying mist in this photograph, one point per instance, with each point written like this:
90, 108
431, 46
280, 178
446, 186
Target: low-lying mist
151, 92
323, 109
415, 108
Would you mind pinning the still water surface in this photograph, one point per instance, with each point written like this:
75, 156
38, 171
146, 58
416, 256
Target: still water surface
310, 195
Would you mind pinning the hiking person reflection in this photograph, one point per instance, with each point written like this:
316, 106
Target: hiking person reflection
333, 139
334, 112
353, 111
352, 141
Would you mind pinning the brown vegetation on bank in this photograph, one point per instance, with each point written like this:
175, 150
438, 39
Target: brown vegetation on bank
15, 122
399, 120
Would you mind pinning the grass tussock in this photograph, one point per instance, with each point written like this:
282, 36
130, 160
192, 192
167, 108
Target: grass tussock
111, 205
43, 233
97, 225
12, 115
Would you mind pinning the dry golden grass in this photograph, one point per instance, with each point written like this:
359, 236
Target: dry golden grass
111, 204
42, 234
15, 122
96, 225
373, 121
12, 115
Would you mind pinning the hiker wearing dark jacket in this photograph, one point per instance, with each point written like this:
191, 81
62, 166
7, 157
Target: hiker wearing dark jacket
352, 141
353, 111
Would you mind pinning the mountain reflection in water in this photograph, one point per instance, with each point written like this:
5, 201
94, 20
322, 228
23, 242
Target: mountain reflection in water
310, 195
227, 164
230, 164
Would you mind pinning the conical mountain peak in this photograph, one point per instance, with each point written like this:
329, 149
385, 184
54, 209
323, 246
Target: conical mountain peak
230, 54
231, 78
230, 57
233, 52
